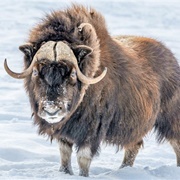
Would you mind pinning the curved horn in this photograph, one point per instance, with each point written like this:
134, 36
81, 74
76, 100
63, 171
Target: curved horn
64, 52
18, 75
45, 51
93, 31
86, 80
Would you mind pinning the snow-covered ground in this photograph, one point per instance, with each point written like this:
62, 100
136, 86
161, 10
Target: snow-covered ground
24, 154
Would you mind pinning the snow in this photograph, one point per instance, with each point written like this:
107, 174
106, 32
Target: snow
24, 154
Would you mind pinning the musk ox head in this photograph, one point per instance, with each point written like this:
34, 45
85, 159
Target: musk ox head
56, 78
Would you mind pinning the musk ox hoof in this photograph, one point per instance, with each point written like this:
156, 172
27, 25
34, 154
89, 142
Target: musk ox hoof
66, 170
124, 165
83, 173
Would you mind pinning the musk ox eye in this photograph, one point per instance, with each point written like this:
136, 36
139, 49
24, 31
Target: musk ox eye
73, 77
73, 74
35, 72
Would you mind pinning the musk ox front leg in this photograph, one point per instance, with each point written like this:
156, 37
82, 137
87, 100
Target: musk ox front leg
84, 158
65, 152
130, 154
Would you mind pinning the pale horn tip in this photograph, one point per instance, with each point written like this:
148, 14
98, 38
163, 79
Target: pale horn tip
11, 73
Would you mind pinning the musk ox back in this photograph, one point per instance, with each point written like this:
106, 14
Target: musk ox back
86, 87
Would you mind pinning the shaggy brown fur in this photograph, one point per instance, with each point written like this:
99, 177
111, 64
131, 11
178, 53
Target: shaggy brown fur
140, 91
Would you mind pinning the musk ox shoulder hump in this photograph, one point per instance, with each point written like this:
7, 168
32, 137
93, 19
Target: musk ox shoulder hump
63, 25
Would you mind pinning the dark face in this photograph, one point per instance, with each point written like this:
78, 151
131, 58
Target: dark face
56, 89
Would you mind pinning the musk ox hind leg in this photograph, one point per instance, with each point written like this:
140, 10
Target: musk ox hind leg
176, 146
65, 152
130, 154
84, 158
168, 122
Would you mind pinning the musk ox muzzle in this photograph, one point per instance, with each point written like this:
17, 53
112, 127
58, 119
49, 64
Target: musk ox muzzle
53, 112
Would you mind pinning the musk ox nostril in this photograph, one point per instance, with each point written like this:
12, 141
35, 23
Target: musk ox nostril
62, 107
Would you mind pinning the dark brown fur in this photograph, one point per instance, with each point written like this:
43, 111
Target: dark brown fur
140, 91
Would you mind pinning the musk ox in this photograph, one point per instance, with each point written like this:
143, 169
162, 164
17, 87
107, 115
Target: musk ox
86, 87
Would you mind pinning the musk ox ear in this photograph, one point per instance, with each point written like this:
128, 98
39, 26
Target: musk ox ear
27, 49
81, 51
